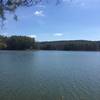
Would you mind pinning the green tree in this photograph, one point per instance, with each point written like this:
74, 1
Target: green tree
3, 42
3, 46
20, 43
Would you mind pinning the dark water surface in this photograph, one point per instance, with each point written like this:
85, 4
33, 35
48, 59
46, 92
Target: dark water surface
49, 75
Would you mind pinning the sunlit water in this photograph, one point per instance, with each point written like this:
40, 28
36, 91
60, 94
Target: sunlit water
49, 75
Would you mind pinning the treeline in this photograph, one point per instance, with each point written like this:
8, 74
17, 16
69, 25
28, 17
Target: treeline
75, 45
16, 43
28, 43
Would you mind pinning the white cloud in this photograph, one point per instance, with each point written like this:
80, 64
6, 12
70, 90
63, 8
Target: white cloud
5, 33
58, 34
32, 36
67, 0
82, 4
39, 13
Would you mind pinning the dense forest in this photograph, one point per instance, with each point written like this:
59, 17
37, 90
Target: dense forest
16, 43
74, 45
28, 43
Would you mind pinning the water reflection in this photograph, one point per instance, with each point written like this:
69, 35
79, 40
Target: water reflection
49, 75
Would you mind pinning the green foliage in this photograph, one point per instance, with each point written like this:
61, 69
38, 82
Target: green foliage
3, 42
27, 43
78, 45
17, 43
3, 46
12, 5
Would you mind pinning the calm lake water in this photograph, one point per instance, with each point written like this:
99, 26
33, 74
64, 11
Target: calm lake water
49, 75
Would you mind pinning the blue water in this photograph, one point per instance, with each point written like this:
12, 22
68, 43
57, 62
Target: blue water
49, 75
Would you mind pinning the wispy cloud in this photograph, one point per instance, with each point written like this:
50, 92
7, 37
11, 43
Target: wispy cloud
32, 36
39, 13
82, 3
58, 34
67, 0
5, 34
40, 6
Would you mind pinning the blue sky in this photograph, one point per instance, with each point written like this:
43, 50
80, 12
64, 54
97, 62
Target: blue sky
79, 19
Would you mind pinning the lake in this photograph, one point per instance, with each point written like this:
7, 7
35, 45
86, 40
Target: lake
49, 75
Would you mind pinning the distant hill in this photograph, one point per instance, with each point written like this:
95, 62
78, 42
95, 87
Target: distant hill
27, 43
71, 45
